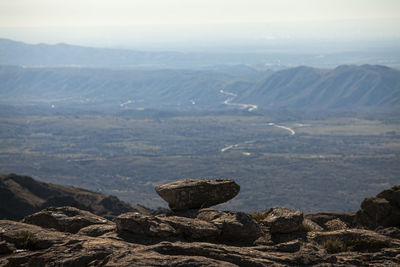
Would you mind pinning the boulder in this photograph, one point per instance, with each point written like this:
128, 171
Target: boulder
26, 236
377, 212
210, 225
392, 195
97, 229
197, 193
193, 229
310, 226
322, 217
354, 239
209, 215
382, 210
141, 224
64, 219
283, 220
37, 246
172, 226
237, 227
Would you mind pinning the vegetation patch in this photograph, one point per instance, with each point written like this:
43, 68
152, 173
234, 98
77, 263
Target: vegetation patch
308, 228
25, 239
258, 216
334, 245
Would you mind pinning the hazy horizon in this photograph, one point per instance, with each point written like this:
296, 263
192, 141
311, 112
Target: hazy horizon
230, 26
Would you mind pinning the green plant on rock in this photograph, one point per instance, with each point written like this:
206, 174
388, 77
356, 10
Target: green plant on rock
334, 245
25, 239
258, 216
307, 228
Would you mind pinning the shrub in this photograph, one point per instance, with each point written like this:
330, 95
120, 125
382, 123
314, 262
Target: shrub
307, 228
334, 245
25, 239
258, 216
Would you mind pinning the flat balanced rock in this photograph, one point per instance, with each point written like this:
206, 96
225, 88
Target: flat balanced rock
197, 193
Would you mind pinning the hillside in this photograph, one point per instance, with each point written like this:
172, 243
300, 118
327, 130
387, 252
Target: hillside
112, 88
345, 87
22, 195
303, 88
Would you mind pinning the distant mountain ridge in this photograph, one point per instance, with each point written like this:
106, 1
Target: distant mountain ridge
345, 87
62, 55
366, 87
92, 77
67, 55
22, 195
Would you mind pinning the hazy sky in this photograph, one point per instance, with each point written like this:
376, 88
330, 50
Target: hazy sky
119, 22
79, 13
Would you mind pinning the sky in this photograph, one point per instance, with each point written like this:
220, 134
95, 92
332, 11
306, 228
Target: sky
152, 22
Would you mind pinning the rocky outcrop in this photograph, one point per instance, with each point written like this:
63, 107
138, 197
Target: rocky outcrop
97, 229
354, 239
236, 227
64, 219
310, 226
210, 225
67, 236
23, 244
321, 218
283, 220
144, 225
382, 210
195, 194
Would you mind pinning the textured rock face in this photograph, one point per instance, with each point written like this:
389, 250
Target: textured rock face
52, 248
195, 194
64, 219
311, 226
355, 239
392, 195
235, 226
147, 225
97, 229
382, 210
172, 226
282, 220
205, 237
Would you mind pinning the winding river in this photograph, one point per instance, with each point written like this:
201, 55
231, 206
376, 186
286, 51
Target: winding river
250, 107
231, 96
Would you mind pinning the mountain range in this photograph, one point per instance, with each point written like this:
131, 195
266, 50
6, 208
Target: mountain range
347, 87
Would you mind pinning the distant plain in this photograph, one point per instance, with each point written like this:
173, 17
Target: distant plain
331, 162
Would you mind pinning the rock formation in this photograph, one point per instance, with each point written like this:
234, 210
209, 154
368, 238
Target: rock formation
382, 210
64, 219
282, 220
66, 236
195, 194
